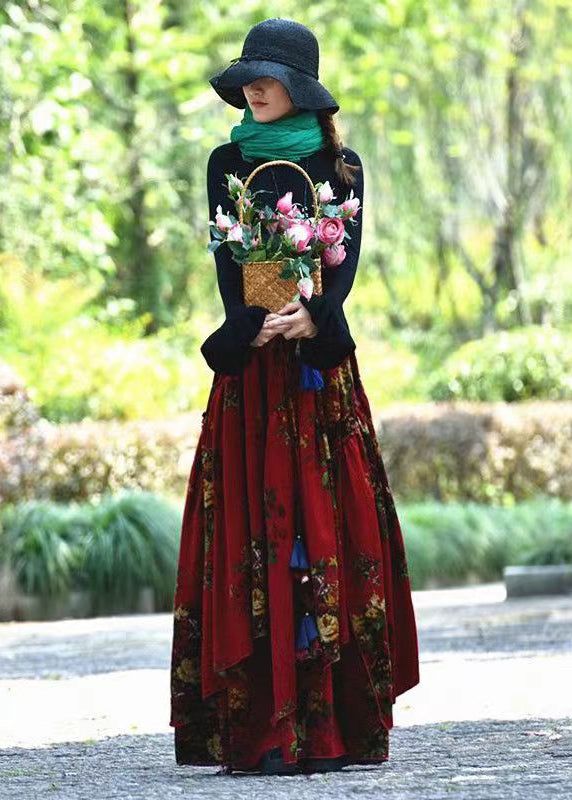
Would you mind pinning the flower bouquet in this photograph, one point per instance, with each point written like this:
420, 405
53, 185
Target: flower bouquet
282, 250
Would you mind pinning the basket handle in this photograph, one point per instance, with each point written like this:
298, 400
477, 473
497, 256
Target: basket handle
270, 164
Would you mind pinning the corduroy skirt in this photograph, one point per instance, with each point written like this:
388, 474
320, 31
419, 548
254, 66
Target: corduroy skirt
293, 623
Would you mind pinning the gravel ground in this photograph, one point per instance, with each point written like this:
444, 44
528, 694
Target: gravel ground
84, 710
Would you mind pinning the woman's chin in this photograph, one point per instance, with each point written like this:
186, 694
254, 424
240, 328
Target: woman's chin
262, 114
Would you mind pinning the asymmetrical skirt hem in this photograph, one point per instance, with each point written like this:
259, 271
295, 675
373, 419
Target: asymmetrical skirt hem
293, 619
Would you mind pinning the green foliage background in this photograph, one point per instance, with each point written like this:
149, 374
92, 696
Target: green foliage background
53, 548
459, 109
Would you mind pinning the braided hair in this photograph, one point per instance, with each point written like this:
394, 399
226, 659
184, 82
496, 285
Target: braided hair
345, 172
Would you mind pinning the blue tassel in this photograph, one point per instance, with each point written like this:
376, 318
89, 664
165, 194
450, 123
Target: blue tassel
302, 642
307, 632
310, 377
299, 559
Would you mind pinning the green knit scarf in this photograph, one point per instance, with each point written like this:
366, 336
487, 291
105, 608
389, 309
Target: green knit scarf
291, 137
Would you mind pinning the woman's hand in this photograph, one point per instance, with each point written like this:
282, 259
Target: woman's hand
265, 333
293, 321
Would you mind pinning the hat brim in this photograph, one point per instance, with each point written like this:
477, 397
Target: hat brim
306, 92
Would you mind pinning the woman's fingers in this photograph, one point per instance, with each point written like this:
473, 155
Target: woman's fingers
279, 326
293, 306
294, 322
286, 318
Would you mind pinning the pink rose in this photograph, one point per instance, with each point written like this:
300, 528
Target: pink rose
331, 230
305, 287
222, 221
235, 233
333, 255
299, 234
325, 193
350, 207
284, 205
293, 221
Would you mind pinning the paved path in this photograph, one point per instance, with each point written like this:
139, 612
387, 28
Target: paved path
84, 710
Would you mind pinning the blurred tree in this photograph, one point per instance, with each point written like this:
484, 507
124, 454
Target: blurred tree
460, 110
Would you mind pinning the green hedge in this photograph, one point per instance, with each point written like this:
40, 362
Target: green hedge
131, 540
17, 412
450, 544
531, 362
114, 547
83, 461
498, 453
490, 453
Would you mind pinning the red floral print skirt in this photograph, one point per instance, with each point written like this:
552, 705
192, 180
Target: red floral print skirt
293, 619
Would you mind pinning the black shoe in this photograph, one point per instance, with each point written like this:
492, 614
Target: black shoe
272, 763
324, 764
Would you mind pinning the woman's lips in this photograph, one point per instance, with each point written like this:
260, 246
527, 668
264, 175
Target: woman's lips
257, 103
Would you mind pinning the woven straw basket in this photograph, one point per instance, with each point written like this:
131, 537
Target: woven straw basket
262, 284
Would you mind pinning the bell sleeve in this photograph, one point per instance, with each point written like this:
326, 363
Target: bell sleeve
334, 342
227, 350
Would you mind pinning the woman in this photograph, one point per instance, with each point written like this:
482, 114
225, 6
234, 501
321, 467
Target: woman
294, 629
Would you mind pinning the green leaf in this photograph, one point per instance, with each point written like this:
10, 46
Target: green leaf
216, 232
236, 248
330, 210
257, 255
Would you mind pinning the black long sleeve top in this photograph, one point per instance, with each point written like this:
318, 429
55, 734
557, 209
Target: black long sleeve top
228, 349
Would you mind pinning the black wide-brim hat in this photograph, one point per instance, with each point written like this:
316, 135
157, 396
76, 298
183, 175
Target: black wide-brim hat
282, 49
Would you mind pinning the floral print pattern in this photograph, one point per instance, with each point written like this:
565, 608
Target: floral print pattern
326, 593
273, 460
